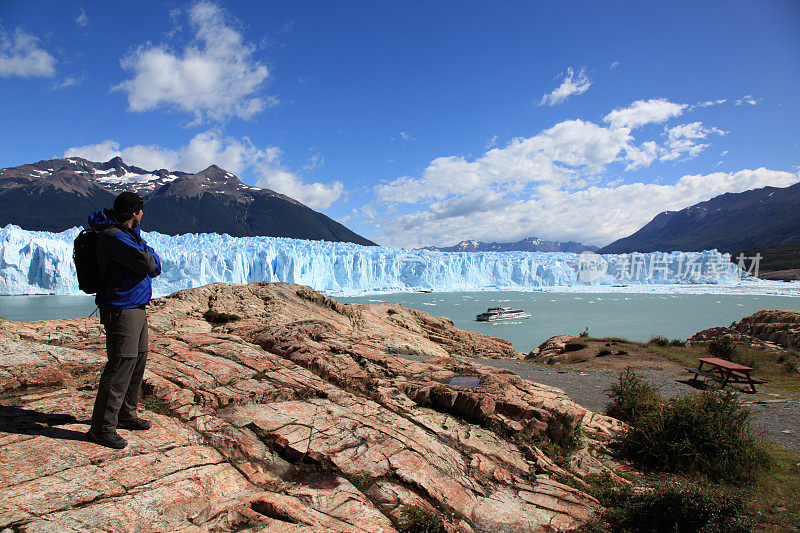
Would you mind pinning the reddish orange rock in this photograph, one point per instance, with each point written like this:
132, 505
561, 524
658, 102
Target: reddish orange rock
296, 415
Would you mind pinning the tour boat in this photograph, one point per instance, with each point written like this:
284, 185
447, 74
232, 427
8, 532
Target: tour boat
501, 313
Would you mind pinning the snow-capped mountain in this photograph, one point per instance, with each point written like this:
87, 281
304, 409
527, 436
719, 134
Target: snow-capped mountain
529, 244
59, 194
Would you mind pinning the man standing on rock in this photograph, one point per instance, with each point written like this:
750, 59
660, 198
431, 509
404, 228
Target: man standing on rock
127, 265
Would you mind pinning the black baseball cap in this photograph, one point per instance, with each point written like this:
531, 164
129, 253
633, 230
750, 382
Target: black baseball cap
126, 204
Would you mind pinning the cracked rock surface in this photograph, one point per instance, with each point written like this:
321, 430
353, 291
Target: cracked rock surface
275, 408
767, 330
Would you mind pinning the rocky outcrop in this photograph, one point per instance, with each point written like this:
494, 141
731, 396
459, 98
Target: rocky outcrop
768, 330
278, 409
552, 348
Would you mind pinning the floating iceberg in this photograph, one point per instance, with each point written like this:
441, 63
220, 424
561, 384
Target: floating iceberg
36, 262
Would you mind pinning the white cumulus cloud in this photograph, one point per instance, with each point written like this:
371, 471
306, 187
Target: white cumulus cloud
274, 175
644, 112
709, 103
596, 215
203, 150
682, 140
571, 85
748, 99
559, 154
557, 184
211, 148
21, 55
215, 77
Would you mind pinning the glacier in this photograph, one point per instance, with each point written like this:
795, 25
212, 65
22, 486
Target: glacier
37, 262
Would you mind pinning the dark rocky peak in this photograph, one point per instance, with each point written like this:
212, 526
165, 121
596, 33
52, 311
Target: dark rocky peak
218, 175
168, 174
116, 164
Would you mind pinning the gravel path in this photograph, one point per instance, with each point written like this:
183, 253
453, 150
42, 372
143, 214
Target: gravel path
776, 418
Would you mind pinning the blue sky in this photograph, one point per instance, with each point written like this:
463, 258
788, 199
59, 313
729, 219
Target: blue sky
421, 123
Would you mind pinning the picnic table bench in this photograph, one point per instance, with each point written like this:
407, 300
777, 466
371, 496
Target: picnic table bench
725, 372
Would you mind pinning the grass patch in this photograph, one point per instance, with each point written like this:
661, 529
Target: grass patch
154, 404
659, 341
772, 497
631, 397
574, 346
362, 481
724, 347
790, 362
671, 507
416, 520
563, 431
608, 491
769, 365
768, 503
604, 352
707, 433
560, 439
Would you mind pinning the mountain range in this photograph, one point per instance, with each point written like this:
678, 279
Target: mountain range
529, 244
763, 218
58, 194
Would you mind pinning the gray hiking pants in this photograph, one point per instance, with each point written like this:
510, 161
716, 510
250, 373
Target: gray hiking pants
121, 381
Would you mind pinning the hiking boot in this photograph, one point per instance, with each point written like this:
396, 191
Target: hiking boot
136, 424
110, 440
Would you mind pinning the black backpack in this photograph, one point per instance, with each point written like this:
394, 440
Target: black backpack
84, 254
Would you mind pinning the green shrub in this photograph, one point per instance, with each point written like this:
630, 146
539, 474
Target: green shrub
603, 352
724, 347
677, 342
631, 397
554, 453
585, 332
574, 346
622, 352
608, 491
659, 341
707, 433
563, 431
416, 520
746, 358
671, 508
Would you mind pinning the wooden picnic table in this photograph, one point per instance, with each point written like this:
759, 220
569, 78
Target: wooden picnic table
725, 372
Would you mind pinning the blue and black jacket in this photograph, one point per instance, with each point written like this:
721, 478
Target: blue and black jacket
127, 264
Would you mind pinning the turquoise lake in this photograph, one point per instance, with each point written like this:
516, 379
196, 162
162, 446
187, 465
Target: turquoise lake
629, 315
